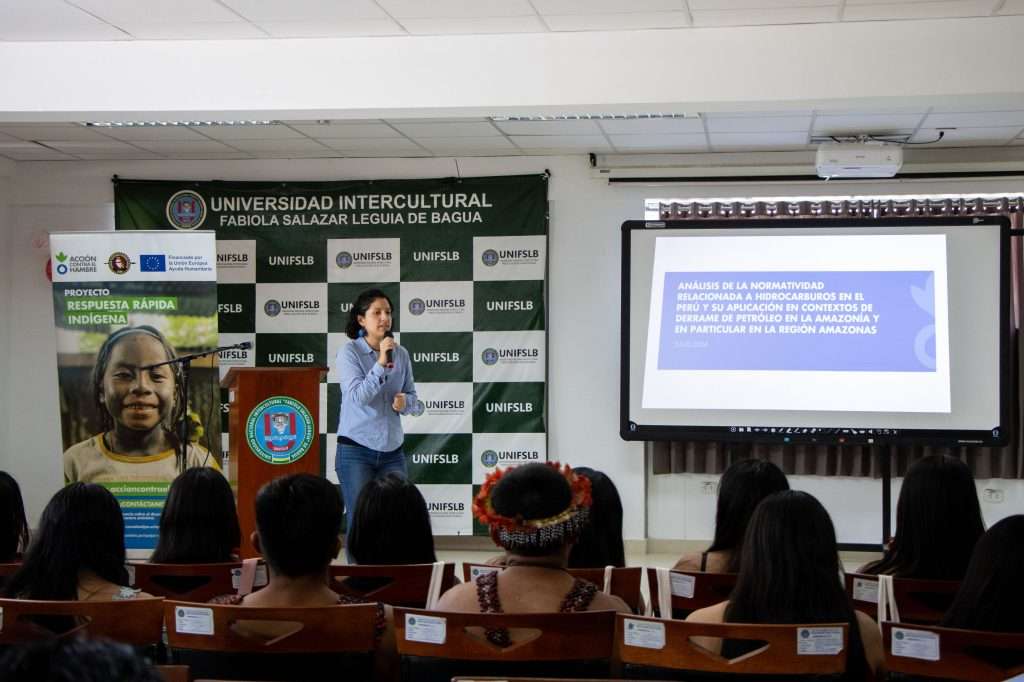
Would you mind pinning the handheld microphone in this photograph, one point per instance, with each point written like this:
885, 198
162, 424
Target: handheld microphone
391, 353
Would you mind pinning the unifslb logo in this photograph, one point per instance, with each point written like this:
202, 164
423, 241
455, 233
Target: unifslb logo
272, 308
492, 257
417, 306
346, 259
343, 259
508, 407
489, 458
489, 257
279, 430
489, 356
186, 210
418, 409
508, 305
290, 261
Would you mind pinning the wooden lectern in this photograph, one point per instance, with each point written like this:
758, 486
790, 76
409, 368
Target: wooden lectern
273, 430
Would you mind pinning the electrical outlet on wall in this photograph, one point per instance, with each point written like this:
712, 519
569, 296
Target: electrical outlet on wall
993, 495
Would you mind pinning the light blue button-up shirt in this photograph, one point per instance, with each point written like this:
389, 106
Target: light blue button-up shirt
367, 391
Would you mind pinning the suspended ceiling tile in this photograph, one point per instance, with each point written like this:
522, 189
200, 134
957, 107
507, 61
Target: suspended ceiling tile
847, 123
563, 143
268, 132
185, 147
476, 25
640, 126
574, 127
919, 10
385, 145
56, 131
39, 154
968, 137
748, 124
345, 129
702, 5
303, 144
259, 11
660, 143
74, 146
169, 12
758, 17
462, 129
335, 28
52, 20
418, 9
150, 133
460, 145
1012, 7
603, 6
975, 119
758, 141
617, 22
188, 30
136, 155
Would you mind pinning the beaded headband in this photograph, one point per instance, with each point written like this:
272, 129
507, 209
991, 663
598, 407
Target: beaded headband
553, 531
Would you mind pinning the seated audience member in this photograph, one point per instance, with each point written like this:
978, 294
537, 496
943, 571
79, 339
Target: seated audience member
75, 660
13, 526
535, 512
938, 522
600, 541
199, 524
789, 573
78, 551
742, 487
991, 596
392, 524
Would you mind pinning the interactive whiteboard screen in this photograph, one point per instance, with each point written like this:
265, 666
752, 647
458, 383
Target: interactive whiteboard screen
816, 331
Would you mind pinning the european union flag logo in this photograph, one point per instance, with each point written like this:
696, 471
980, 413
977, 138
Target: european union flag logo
153, 262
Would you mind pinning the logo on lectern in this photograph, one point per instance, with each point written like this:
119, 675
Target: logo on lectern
279, 430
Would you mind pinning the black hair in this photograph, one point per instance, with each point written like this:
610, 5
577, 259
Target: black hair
938, 522
532, 491
789, 572
13, 525
392, 525
199, 523
81, 529
100, 369
991, 596
600, 542
68, 659
299, 522
742, 487
360, 306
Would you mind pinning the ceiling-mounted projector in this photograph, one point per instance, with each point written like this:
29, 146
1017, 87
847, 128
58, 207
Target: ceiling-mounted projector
858, 160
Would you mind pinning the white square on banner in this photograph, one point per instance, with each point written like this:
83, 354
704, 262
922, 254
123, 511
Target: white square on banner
235, 358
509, 356
293, 308
442, 408
236, 261
500, 450
509, 258
364, 260
134, 256
449, 506
437, 306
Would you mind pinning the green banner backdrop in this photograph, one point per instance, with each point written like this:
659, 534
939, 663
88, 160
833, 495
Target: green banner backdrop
463, 259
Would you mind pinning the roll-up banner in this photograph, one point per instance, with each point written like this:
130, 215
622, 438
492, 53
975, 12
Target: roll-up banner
124, 301
463, 259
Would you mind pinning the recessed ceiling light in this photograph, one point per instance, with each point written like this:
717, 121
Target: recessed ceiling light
593, 117
169, 124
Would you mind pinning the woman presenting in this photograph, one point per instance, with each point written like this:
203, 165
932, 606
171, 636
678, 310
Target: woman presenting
376, 387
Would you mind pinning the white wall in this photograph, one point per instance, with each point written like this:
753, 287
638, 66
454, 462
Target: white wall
6, 181
583, 321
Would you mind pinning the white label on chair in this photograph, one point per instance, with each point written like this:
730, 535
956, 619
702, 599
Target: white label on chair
682, 585
193, 620
131, 574
236, 578
819, 641
261, 579
865, 590
477, 571
426, 629
644, 633
915, 644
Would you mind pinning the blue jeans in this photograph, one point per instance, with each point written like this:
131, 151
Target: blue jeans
356, 466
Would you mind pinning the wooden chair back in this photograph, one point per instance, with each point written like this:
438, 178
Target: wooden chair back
250, 643
691, 590
625, 582
138, 622
173, 673
400, 585
920, 601
543, 644
188, 582
651, 645
8, 569
947, 653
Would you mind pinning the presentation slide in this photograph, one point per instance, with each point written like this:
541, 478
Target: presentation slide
849, 323
843, 328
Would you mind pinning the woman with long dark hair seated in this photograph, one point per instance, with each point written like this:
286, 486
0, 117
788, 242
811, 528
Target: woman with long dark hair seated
392, 524
535, 512
938, 522
13, 525
600, 541
789, 574
742, 487
991, 596
199, 524
77, 552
